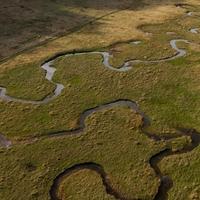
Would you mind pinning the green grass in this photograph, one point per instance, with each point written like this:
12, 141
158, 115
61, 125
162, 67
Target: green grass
151, 49
112, 139
171, 101
26, 82
84, 184
184, 171
167, 92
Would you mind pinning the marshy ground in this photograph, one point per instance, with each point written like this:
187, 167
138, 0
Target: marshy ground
122, 128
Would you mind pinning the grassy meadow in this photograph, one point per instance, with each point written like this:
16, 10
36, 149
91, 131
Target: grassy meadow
170, 101
112, 139
167, 92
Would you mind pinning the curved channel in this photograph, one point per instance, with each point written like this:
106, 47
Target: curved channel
50, 70
165, 182
91, 166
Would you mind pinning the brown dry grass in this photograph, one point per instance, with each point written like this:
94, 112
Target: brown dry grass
116, 27
24, 24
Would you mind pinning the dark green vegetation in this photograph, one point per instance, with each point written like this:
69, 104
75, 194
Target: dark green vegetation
167, 92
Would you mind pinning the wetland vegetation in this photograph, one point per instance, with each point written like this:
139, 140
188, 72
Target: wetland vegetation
111, 132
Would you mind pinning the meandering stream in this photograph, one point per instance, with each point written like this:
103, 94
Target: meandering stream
165, 181
91, 166
50, 70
